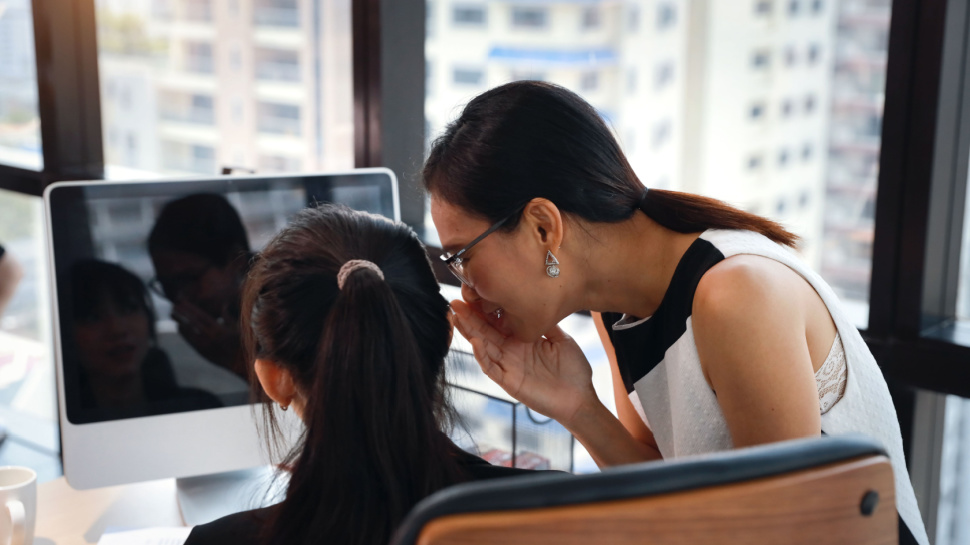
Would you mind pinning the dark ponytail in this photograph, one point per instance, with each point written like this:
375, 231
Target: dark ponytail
369, 361
529, 139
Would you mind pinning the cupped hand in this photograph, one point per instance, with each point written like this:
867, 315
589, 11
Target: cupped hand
551, 375
216, 339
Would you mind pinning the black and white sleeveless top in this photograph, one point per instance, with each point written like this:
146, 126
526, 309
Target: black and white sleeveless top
661, 370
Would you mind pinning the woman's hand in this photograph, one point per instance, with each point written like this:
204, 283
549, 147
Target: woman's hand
551, 375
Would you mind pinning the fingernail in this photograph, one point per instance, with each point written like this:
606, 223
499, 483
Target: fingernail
460, 310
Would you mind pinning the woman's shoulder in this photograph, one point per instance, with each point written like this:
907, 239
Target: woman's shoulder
238, 529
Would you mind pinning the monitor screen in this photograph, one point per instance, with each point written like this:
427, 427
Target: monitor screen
148, 278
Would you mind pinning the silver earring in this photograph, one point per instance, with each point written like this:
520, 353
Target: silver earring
552, 265
284, 407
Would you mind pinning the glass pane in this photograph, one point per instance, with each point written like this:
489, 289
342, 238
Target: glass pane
952, 524
20, 144
963, 287
773, 106
28, 412
194, 86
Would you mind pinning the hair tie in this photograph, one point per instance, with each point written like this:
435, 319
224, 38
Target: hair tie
643, 198
355, 265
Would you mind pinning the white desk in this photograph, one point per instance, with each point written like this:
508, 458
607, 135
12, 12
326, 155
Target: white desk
75, 517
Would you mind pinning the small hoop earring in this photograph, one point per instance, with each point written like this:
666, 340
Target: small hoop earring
552, 265
284, 407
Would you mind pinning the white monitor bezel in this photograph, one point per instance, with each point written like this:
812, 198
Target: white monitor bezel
200, 442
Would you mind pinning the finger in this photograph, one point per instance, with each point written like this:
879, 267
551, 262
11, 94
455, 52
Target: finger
471, 324
490, 365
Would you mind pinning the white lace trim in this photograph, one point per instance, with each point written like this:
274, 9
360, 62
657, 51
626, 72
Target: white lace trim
832, 376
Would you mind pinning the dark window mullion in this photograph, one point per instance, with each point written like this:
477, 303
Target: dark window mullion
906, 165
67, 90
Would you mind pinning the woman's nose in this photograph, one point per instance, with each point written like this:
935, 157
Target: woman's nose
469, 294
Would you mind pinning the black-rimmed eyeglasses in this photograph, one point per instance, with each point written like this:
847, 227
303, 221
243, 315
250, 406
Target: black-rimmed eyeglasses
456, 263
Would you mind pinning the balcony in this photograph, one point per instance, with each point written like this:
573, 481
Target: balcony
275, 16
278, 71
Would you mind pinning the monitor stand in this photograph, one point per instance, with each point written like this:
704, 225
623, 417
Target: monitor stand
208, 497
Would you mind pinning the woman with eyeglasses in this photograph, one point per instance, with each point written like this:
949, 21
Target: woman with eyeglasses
343, 323
719, 336
200, 252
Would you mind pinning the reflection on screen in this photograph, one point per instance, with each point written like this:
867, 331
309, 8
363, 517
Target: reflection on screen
149, 281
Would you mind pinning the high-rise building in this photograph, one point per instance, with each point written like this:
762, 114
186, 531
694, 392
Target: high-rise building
191, 86
703, 96
858, 87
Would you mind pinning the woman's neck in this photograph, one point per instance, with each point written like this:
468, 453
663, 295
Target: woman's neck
630, 265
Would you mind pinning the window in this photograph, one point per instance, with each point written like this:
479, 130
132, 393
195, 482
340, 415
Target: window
757, 111
761, 59
809, 104
466, 76
277, 64
277, 13
666, 16
186, 158
468, 15
29, 400
174, 81
198, 10
787, 108
814, 52
198, 58
755, 161
760, 114
20, 143
276, 163
806, 152
275, 118
661, 133
663, 75
529, 17
592, 18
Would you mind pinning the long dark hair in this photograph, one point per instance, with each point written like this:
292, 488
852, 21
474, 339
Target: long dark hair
369, 358
530, 139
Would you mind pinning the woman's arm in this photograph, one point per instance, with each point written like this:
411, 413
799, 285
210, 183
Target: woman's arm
749, 321
627, 414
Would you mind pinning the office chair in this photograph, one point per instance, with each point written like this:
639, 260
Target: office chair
806, 491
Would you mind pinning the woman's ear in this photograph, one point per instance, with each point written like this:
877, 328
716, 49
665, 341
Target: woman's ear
276, 381
545, 220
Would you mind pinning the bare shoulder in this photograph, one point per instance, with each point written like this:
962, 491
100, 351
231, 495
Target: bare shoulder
741, 284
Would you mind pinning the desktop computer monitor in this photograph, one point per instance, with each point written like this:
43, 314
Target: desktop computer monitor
150, 378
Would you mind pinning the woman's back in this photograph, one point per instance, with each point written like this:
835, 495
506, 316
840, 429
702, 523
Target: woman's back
342, 320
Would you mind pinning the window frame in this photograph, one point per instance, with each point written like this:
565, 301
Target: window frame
66, 56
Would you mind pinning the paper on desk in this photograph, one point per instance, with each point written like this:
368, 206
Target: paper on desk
146, 536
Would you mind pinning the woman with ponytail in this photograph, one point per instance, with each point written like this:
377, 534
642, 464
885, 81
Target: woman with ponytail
719, 336
344, 324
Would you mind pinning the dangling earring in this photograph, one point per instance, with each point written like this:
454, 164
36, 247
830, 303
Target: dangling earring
552, 265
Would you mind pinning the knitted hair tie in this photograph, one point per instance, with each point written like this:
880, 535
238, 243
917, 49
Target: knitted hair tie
356, 265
